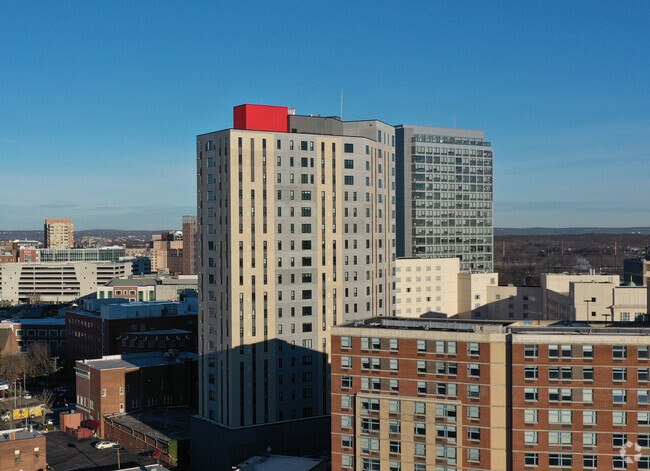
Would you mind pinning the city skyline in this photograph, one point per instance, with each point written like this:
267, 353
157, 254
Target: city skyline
101, 108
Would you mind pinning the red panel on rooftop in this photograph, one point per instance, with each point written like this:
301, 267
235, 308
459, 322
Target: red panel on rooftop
261, 118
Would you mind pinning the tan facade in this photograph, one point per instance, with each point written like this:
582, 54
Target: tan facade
473, 293
424, 285
513, 302
59, 234
296, 235
57, 282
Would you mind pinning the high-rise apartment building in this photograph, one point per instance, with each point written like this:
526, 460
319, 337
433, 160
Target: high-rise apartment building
190, 235
58, 234
444, 195
296, 222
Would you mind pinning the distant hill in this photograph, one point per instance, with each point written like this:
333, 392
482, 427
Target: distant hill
500, 231
104, 233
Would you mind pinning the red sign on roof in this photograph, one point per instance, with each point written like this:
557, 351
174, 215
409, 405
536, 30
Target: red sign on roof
261, 118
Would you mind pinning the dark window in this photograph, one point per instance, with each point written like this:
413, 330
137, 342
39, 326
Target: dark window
348, 163
303, 145
348, 148
349, 180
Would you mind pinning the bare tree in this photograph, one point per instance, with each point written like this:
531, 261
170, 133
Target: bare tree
39, 361
46, 398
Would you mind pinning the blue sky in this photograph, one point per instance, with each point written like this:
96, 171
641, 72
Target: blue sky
100, 102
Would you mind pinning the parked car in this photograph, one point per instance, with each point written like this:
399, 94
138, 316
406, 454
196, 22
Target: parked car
104, 444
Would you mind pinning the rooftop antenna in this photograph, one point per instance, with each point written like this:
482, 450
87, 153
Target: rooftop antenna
341, 104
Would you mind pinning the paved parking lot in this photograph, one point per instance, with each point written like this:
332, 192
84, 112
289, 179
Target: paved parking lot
64, 453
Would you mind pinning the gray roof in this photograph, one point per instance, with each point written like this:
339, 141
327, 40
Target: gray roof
137, 360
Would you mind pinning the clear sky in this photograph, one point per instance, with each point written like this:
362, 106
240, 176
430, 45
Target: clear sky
100, 102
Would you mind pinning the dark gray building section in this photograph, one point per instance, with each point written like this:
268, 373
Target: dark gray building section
217, 448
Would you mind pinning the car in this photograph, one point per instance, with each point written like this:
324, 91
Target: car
104, 444
26, 395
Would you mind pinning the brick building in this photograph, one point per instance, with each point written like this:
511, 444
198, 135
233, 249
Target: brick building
98, 327
17, 335
22, 450
123, 383
414, 395
411, 399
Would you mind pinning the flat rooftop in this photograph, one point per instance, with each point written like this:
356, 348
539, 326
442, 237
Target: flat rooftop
19, 434
517, 327
51, 321
137, 360
278, 462
162, 424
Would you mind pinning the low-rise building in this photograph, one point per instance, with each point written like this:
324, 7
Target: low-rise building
22, 450
56, 282
99, 326
123, 383
148, 288
17, 335
420, 394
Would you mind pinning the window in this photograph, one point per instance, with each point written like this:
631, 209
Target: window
530, 372
473, 433
530, 394
347, 163
642, 375
530, 437
530, 351
420, 449
643, 418
422, 346
619, 374
395, 426
619, 417
588, 374
394, 345
530, 416
473, 391
619, 462
419, 408
589, 417
346, 342
587, 351
557, 459
369, 425
559, 416
619, 440
368, 464
348, 180
589, 461
348, 148
588, 395
589, 439
619, 352
642, 396
642, 352
473, 454
473, 412
395, 447
619, 396
394, 405
346, 421
346, 402
531, 459
559, 438
346, 441
422, 366
369, 444
346, 382
419, 428
473, 348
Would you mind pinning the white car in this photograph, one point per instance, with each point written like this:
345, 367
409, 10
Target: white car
104, 444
